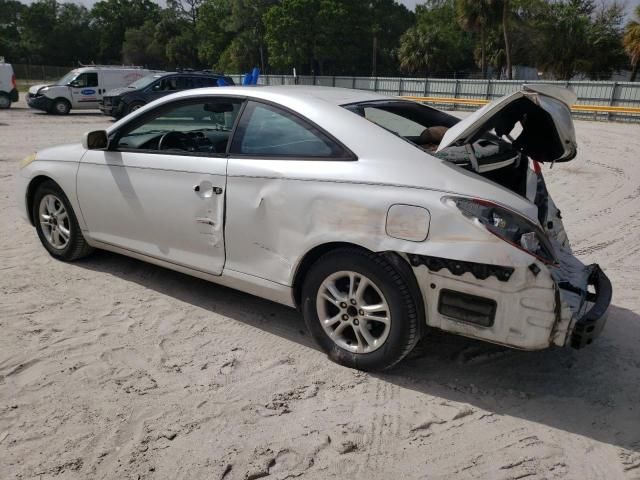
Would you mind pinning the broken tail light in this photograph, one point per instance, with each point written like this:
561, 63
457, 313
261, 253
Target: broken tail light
509, 226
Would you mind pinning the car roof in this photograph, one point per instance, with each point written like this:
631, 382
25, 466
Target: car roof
300, 93
187, 72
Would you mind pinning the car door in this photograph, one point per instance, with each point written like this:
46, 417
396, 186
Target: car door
159, 189
272, 195
84, 90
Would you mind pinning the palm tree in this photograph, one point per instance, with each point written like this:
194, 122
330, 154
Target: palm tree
631, 43
474, 16
505, 31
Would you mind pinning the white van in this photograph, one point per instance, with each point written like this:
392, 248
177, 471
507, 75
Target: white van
8, 90
82, 88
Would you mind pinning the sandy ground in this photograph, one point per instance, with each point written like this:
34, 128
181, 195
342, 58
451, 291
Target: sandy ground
112, 368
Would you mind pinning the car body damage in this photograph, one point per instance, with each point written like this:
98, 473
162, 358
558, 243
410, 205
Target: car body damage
303, 195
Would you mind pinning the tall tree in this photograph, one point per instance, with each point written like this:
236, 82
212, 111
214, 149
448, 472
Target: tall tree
113, 18
436, 44
477, 16
632, 44
579, 38
307, 34
388, 20
11, 12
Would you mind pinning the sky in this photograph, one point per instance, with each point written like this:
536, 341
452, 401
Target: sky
631, 4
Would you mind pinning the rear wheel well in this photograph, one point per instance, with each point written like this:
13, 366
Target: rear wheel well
31, 191
309, 259
396, 259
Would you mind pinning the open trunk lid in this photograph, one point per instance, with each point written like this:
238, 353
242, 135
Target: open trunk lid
543, 112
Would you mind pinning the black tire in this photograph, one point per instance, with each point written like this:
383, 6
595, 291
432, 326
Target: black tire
76, 246
404, 329
5, 101
60, 106
135, 106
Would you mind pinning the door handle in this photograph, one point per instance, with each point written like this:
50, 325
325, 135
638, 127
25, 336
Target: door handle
216, 190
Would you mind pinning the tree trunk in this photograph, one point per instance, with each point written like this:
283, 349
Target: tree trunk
374, 56
634, 72
505, 31
483, 48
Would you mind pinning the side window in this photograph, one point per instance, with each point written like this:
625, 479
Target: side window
185, 83
202, 127
85, 80
208, 82
391, 121
166, 84
265, 130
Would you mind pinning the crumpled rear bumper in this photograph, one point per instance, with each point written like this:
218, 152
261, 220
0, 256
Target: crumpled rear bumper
589, 325
532, 307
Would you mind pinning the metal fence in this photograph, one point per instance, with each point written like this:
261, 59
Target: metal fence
602, 93
598, 93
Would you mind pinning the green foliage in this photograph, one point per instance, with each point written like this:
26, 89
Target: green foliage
352, 37
436, 44
112, 18
631, 43
577, 37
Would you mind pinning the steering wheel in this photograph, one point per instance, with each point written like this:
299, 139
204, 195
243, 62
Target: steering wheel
176, 141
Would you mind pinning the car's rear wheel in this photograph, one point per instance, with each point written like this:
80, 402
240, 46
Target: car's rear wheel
135, 106
5, 101
360, 310
60, 106
57, 225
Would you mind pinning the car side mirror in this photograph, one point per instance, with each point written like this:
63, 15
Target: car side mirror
95, 140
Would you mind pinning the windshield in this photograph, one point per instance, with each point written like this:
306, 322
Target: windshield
66, 80
144, 81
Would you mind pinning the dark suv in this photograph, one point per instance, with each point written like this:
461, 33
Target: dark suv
122, 101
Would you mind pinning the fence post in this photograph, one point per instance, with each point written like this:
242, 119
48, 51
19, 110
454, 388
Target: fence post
353, 83
400, 87
489, 92
426, 86
375, 84
334, 80
612, 98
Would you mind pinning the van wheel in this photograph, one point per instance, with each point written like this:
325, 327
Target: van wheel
57, 225
61, 106
135, 106
5, 101
360, 310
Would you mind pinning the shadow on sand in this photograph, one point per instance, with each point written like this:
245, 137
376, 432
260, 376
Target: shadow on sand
593, 392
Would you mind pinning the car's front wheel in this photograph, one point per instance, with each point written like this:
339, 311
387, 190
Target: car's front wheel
135, 106
57, 225
60, 106
360, 310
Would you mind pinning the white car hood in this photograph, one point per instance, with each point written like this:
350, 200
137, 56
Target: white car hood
544, 112
34, 88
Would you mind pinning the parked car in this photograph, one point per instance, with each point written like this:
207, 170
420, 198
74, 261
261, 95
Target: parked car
378, 217
82, 88
8, 89
122, 101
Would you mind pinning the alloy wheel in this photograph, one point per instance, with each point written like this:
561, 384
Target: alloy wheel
353, 312
54, 220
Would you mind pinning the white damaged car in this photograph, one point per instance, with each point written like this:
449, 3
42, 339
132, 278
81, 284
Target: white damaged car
379, 218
